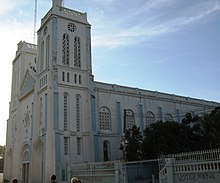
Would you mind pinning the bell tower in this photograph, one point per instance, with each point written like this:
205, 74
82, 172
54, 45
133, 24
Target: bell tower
64, 89
64, 39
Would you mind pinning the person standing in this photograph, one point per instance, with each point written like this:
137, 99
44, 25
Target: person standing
14, 180
53, 178
74, 180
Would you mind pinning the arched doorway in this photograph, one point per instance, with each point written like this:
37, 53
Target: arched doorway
106, 150
25, 163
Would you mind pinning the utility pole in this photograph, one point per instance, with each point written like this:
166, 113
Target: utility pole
35, 19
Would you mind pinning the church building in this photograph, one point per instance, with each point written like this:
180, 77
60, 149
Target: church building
59, 115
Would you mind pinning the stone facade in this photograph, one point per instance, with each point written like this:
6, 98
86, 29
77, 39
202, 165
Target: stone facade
59, 115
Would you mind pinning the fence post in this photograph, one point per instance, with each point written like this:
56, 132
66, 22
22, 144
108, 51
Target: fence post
116, 172
153, 179
169, 167
68, 173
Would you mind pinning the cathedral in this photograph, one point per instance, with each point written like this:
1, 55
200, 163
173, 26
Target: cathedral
59, 115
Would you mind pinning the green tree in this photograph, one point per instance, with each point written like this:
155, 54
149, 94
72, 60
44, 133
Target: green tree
2, 153
192, 130
210, 129
133, 146
194, 133
165, 138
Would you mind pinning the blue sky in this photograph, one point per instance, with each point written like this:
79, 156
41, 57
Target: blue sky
171, 46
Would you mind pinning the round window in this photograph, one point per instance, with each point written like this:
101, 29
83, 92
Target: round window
71, 27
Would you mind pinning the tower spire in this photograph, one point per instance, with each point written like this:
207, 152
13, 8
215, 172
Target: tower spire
57, 2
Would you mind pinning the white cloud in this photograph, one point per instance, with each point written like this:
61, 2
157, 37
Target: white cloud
195, 14
9, 5
6, 6
119, 32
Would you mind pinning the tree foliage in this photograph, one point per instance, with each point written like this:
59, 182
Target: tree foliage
133, 146
194, 133
210, 129
2, 152
165, 137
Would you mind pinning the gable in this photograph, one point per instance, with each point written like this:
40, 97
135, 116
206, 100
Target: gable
28, 84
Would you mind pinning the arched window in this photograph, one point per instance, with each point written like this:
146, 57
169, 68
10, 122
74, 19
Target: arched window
106, 150
47, 50
130, 119
80, 79
14, 126
104, 119
77, 55
168, 117
66, 111
150, 118
68, 77
63, 76
42, 56
78, 112
65, 49
41, 111
75, 78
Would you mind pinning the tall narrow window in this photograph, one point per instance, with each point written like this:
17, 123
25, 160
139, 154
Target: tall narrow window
79, 146
66, 145
42, 56
80, 79
47, 50
14, 84
68, 77
75, 78
46, 79
41, 111
77, 55
66, 111
65, 50
104, 119
63, 76
14, 126
78, 112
